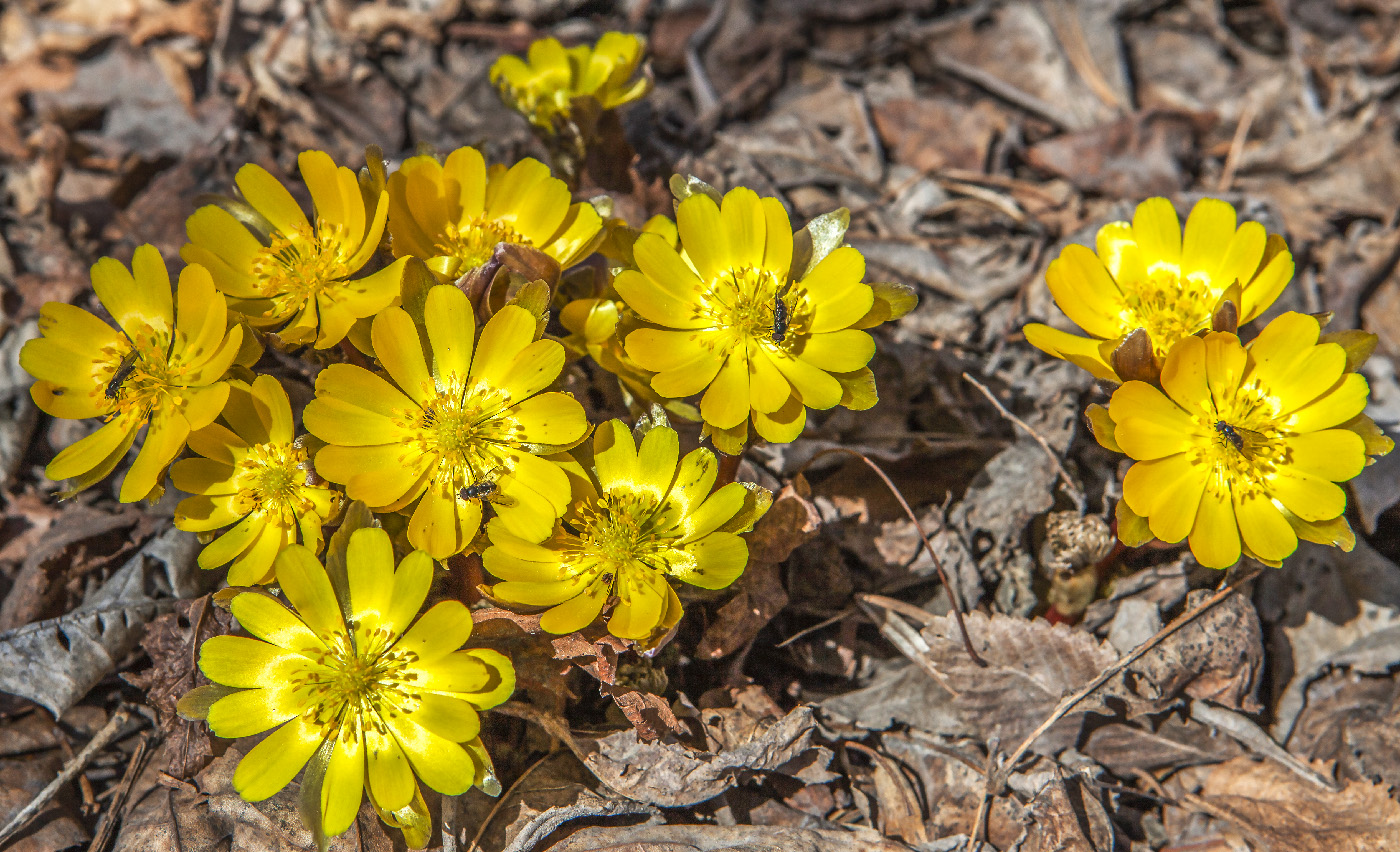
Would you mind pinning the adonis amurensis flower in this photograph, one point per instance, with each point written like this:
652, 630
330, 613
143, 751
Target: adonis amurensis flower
283, 269
1242, 446
164, 365
640, 521
371, 697
255, 477
1148, 275
544, 86
453, 214
731, 318
450, 430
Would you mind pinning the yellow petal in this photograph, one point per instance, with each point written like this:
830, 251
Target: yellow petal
1260, 293
164, 441
1215, 539
1262, 526
1241, 260
1310, 497
467, 168
1167, 492
1083, 352
306, 585
777, 251
1117, 248
450, 718
91, 451
344, 785
702, 233
656, 461
252, 711
1085, 291
642, 597
369, 563
441, 764
1157, 231
451, 330
1346, 400
719, 560
1333, 454
434, 526
353, 407
399, 350
274, 762
784, 425
815, 387
380, 475
768, 387
835, 291
272, 622
578, 612
411, 583
1184, 375
666, 297
1226, 363
390, 776
504, 337
1210, 229
247, 663
270, 198
745, 226
438, 632
548, 418
532, 370
1147, 424
726, 403
838, 351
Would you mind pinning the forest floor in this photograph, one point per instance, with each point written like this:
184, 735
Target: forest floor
825, 702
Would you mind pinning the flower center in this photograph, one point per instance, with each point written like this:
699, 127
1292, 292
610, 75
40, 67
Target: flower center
356, 681
135, 379
1240, 442
271, 479
755, 304
298, 266
619, 530
473, 241
1167, 307
467, 432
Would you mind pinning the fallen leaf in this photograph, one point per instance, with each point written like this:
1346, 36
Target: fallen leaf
1067, 816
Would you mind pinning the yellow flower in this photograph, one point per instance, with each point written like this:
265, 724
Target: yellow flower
463, 431
734, 319
165, 366
641, 519
252, 474
544, 88
1243, 450
453, 214
1148, 275
281, 268
350, 680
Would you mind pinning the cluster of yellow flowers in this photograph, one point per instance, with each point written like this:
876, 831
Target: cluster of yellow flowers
426, 295
1236, 446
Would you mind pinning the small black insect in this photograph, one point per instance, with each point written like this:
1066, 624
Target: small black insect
1230, 434
128, 363
478, 491
780, 314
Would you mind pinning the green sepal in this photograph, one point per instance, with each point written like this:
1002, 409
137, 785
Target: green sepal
858, 392
682, 187
757, 501
194, 705
821, 236
1356, 343
892, 301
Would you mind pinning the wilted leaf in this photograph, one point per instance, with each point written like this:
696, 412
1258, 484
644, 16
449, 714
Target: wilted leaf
1216, 657
725, 838
1067, 817
673, 775
791, 520
1277, 811
54, 663
1031, 665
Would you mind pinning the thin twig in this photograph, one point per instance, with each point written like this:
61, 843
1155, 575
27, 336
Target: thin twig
1072, 701
843, 614
1257, 740
1232, 159
1007, 92
113, 816
1076, 495
70, 770
707, 102
500, 802
953, 593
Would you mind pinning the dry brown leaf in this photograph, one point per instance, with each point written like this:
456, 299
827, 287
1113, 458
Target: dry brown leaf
792, 520
1032, 664
1277, 811
724, 838
1216, 657
1066, 816
674, 775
